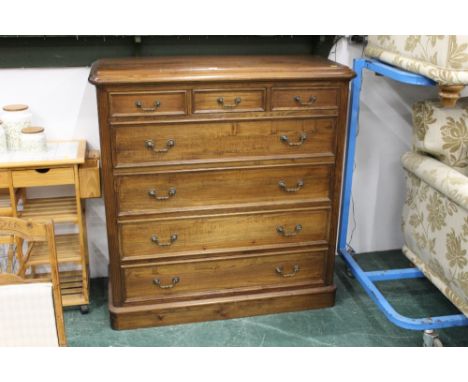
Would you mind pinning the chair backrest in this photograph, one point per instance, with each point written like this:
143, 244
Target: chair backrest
441, 132
14, 288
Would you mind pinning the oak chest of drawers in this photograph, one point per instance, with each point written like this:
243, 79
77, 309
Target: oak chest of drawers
222, 179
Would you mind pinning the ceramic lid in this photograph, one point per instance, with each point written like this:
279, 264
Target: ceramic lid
15, 107
32, 130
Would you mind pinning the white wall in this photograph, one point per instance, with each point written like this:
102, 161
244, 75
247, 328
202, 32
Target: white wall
64, 103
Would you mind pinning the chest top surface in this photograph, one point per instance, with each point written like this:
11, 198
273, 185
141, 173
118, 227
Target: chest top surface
169, 69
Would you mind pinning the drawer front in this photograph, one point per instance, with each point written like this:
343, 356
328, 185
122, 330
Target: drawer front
303, 98
150, 103
228, 101
227, 140
43, 177
166, 192
185, 278
185, 236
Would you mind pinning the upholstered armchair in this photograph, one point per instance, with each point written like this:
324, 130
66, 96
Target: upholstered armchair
435, 214
441, 58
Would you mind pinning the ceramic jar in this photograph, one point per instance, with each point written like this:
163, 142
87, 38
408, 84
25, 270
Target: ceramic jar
33, 139
3, 144
15, 118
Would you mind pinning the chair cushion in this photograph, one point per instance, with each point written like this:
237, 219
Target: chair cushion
27, 315
442, 133
441, 58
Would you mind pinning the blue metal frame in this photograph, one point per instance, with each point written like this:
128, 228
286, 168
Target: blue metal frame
367, 279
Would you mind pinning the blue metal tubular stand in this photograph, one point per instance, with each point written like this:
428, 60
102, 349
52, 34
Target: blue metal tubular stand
367, 279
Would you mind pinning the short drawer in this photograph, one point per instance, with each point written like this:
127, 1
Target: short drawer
147, 282
303, 98
242, 140
149, 103
43, 177
228, 101
221, 233
166, 192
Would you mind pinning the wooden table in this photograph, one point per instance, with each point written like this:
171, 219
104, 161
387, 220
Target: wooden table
64, 163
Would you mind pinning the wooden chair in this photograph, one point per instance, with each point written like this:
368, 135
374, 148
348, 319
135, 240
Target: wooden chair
15, 310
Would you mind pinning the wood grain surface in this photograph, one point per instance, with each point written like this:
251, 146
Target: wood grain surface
193, 195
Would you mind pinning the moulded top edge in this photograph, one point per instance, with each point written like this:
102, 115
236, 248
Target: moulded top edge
215, 68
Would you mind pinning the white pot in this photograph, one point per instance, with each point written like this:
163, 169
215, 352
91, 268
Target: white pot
3, 144
15, 118
33, 139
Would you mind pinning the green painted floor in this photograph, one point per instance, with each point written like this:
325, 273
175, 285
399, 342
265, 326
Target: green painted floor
353, 321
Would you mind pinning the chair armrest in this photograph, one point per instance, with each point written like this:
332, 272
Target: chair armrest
438, 175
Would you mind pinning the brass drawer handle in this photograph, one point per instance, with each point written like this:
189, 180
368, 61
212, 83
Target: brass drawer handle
280, 229
153, 193
311, 101
299, 185
302, 138
237, 101
280, 271
175, 280
156, 104
171, 241
149, 144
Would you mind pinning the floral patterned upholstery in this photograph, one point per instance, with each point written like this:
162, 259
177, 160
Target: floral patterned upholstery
435, 214
442, 134
441, 58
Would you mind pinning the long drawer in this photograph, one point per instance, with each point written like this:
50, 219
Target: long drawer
166, 192
182, 143
214, 234
183, 279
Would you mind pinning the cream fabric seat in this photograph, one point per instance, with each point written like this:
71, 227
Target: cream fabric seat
27, 315
441, 58
435, 214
